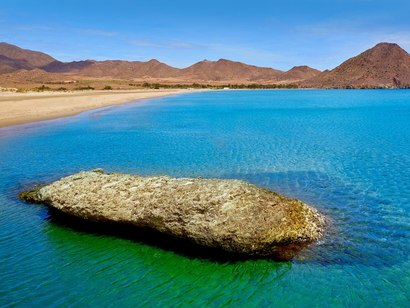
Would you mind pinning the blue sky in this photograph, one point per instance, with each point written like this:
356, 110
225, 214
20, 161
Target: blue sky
277, 34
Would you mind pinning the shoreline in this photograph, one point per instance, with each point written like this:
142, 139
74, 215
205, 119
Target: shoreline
31, 107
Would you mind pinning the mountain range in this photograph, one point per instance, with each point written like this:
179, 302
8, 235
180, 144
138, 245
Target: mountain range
385, 65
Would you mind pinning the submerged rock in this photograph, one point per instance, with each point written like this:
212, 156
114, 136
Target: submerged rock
231, 215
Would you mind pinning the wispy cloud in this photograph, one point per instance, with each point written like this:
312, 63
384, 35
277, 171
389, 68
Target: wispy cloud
365, 29
332, 28
209, 50
60, 29
31, 28
163, 44
344, 38
97, 32
242, 51
401, 38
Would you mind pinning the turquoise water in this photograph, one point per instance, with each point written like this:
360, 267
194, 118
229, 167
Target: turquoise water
345, 152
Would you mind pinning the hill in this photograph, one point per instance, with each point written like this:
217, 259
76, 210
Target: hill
22, 66
229, 71
300, 73
384, 65
15, 58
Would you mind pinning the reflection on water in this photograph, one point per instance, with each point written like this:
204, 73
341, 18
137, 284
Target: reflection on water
164, 242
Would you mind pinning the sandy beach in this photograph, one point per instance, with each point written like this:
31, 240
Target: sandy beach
19, 108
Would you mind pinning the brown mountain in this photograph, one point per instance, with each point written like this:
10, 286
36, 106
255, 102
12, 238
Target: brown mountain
205, 71
130, 70
67, 67
4, 68
114, 69
16, 58
228, 71
385, 65
300, 73
8, 65
32, 66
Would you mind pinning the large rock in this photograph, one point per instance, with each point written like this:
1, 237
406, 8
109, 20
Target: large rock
227, 214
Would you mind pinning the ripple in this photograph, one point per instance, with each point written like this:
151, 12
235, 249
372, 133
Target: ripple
345, 152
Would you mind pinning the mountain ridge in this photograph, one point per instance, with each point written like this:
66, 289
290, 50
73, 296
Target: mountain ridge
384, 65
222, 70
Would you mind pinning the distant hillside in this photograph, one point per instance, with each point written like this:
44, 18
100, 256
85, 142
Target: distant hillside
19, 63
114, 69
67, 67
229, 71
8, 65
300, 73
385, 65
16, 58
130, 70
204, 71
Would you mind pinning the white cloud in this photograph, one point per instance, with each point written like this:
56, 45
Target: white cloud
164, 44
97, 32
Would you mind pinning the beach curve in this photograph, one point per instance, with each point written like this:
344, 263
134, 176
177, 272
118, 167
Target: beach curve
21, 108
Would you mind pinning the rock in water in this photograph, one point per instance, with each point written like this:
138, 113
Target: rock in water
226, 214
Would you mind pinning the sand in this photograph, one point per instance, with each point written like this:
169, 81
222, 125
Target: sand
19, 108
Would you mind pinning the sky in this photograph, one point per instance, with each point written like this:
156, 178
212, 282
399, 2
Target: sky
278, 34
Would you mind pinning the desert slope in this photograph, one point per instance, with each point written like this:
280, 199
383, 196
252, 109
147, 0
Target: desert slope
226, 70
300, 73
114, 69
19, 58
385, 65
30, 67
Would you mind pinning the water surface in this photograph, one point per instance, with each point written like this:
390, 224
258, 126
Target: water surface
345, 152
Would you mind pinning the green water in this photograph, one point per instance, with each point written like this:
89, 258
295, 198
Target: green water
345, 152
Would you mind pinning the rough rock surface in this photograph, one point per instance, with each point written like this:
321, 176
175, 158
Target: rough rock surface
227, 214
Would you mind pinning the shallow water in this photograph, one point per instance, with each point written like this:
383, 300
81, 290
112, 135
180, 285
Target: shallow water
345, 152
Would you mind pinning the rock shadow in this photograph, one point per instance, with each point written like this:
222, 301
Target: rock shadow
163, 241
